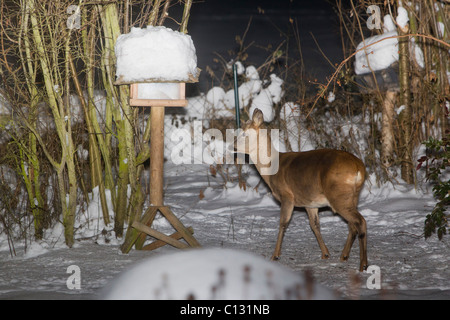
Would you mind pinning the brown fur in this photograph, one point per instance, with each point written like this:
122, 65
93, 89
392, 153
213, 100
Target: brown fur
312, 180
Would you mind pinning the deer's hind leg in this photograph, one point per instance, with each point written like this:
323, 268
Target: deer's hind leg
345, 204
356, 227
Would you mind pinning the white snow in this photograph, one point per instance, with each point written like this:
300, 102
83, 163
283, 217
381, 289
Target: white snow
5, 108
389, 24
292, 132
238, 226
382, 50
331, 97
263, 102
247, 90
216, 98
253, 92
418, 53
158, 91
267, 97
155, 53
212, 274
226, 216
240, 69
441, 29
380, 53
275, 88
251, 73
400, 109
402, 17
243, 220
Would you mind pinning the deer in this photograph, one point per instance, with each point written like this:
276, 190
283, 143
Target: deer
310, 179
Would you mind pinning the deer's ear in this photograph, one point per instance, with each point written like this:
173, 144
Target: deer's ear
258, 117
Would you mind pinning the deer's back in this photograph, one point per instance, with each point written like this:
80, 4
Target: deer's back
312, 178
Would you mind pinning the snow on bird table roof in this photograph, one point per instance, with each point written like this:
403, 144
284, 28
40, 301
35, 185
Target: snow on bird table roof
155, 54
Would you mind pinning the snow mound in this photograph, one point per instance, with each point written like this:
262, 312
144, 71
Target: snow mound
213, 274
381, 52
402, 18
267, 97
155, 53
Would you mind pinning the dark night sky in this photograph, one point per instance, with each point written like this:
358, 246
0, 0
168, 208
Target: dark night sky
214, 24
236, 5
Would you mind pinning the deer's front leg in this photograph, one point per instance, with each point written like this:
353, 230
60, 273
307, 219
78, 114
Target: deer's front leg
313, 215
287, 206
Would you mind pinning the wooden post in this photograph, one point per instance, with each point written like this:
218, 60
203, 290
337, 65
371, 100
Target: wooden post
156, 156
141, 227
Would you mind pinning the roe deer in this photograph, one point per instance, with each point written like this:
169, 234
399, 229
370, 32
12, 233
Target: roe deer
312, 179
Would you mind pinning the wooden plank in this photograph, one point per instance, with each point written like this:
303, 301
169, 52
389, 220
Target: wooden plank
159, 243
147, 219
182, 88
179, 226
191, 79
133, 91
158, 235
135, 101
156, 156
158, 102
132, 234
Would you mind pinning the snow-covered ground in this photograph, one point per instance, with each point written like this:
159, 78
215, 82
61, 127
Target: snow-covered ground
224, 216
410, 267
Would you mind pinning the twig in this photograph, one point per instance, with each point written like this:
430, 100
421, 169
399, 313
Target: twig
321, 51
8, 236
363, 48
404, 233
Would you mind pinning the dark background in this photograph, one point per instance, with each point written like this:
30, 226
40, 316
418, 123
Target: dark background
214, 24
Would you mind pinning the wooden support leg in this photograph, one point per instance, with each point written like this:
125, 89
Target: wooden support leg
133, 235
158, 235
160, 243
141, 228
147, 219
179, 227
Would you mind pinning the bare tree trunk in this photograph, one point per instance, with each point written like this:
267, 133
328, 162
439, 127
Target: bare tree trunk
405, 148
66, 57
52, 81
387, 129
186, 14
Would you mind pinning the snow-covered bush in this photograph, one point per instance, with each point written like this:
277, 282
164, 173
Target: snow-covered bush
213, 274
253, 93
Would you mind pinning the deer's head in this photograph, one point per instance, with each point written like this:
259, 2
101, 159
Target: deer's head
254, 140
248, 138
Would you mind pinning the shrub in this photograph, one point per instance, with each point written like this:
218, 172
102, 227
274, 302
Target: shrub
437, 162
